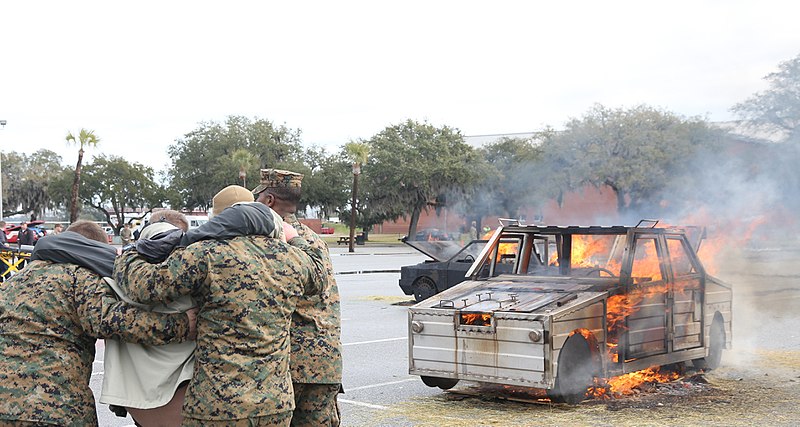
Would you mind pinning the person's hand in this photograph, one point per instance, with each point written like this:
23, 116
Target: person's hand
289, 232
192, 315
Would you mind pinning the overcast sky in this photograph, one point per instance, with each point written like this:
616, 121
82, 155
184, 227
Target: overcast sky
142, 74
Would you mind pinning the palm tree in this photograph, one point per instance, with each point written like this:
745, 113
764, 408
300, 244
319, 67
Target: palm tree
244, 160
358, 153
86, 138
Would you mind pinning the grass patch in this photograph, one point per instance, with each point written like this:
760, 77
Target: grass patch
374, 239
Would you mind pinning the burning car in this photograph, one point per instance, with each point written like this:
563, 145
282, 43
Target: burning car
450, 261
560, 307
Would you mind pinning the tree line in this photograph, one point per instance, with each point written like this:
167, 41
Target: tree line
655, 161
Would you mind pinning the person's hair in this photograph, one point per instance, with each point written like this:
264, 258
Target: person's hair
2, 223
289, 194
173, 217
89, 230
58, 225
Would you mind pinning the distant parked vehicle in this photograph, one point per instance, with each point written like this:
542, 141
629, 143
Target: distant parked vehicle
446, 269
326, 230
430, 235
196, 220
12, 230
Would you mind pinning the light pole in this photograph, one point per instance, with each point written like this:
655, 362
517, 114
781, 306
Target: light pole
3, 124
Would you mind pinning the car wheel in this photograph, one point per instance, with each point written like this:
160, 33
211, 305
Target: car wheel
442, 383
576, 372
424, 288
716, 345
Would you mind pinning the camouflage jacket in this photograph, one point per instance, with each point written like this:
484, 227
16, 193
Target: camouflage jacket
246, 288
317, 324
50, 315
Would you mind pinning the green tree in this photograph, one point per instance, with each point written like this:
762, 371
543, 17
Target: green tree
775, 112
86, 138
411, 165
505, 169
27, 182
779, 105
326, 185
202, 161
635, 152
113, 185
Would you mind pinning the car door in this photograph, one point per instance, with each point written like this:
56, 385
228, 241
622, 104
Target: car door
686, 294
647, 299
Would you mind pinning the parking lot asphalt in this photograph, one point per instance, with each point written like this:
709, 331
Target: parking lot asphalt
379, 392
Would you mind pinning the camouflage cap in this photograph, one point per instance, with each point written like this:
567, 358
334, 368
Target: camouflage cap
272, 178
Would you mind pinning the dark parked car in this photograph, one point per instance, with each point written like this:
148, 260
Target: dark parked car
432, 234
450, 261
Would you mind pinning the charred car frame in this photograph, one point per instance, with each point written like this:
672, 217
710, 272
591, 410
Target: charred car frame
557, 307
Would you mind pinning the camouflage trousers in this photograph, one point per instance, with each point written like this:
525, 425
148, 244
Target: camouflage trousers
275, 420
315, 405
7, 423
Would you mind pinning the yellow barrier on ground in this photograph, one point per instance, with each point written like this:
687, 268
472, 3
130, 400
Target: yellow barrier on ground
13, 260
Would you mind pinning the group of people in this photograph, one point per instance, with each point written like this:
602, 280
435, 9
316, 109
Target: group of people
25, 235
233, 323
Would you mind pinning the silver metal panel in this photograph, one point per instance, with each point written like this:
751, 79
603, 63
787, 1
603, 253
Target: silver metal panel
516, 330
473, 354
687, 329
647, 347
662, 359
716, 294
560, 339
433, 341
565, 328
501, 376
645, 310
595, 310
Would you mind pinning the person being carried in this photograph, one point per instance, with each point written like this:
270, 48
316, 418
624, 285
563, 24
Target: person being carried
316, 354
51, 314
149, 382
246, 281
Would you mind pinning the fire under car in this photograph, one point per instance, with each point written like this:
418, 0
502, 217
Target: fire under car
556, 307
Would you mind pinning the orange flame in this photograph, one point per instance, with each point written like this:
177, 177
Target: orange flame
623, 385
477, 319
590, 251
502, 248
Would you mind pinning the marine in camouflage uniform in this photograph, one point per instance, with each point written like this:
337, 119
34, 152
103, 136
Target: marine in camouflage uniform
316, 358
50, 315
246, 288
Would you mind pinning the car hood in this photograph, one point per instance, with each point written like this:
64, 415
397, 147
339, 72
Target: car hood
509, 293
440, 250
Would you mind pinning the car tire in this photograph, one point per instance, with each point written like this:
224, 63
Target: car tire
576, 372
442, 383
424, 288
716, 345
